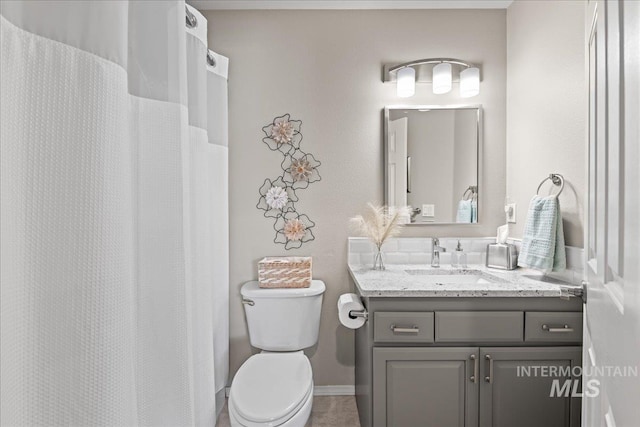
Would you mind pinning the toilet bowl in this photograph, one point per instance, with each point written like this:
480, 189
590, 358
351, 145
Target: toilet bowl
272, 389
275, 388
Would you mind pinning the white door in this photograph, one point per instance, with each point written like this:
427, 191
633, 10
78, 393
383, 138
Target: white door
397, 162
611, 358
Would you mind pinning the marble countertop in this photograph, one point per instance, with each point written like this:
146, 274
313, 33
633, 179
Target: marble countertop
395, 281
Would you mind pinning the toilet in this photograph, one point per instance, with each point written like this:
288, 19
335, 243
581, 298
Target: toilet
275, 387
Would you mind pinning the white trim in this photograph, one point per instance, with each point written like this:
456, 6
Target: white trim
334, 390
348, 4
325, 390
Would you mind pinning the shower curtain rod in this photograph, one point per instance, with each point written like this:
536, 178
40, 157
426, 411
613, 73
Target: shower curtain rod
192, 22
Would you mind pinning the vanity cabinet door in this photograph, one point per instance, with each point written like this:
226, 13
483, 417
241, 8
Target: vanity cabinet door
426, 387
516, 383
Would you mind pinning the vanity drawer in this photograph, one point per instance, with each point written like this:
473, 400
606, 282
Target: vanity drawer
479, 326
403, 327
545, 326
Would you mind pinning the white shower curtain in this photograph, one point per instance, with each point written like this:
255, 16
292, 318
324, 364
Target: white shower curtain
113, 225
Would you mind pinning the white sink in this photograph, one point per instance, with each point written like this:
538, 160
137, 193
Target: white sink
462, 277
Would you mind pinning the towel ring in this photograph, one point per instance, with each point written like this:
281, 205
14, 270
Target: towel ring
472, 189
556, 179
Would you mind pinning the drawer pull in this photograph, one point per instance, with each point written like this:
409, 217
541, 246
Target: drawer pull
564, 328
413, 330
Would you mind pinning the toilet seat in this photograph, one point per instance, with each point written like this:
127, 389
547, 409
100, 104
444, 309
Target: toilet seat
270, 388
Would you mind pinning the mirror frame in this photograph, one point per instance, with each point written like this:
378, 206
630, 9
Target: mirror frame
480, 143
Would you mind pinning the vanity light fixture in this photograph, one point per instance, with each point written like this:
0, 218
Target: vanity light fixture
442, 78
406, 82
441, 72
469, 82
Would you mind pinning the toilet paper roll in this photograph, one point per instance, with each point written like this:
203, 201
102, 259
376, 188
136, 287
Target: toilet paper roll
347, 303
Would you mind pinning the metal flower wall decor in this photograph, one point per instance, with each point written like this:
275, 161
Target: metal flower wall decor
278, 196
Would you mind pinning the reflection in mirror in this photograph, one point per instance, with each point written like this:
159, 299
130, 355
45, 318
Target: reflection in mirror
432, 162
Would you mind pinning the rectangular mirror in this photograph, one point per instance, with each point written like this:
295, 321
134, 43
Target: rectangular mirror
432, 161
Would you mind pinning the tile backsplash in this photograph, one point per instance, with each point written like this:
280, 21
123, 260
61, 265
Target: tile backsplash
417, 250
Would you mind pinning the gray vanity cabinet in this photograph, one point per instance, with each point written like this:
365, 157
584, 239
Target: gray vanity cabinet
427, 387
472, 386
511, 395
461, 362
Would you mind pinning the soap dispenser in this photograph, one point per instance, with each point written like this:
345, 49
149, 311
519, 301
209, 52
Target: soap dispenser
459, 258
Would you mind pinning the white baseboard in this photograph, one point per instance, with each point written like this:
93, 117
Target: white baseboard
325, 390
334, 390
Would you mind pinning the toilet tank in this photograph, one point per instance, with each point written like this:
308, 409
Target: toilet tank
283, 319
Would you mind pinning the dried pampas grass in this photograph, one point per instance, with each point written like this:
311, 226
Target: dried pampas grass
380, 223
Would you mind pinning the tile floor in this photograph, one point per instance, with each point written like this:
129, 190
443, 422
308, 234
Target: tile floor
327, 411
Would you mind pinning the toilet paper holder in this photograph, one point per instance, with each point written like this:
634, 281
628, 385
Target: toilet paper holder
355, 314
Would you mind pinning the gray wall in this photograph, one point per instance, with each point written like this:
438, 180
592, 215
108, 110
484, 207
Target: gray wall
546, 107
324, 67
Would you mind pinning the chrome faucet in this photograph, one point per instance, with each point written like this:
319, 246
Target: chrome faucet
435, 255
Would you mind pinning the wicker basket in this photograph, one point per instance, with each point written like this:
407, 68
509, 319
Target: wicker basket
284, 272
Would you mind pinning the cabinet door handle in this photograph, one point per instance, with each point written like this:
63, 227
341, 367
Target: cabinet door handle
565, 328
474, 377
489, 378
397, 330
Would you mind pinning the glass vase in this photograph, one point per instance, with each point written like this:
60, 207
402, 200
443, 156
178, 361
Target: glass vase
378, 260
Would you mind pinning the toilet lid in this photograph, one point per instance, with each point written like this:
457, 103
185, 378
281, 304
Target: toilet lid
271, 387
